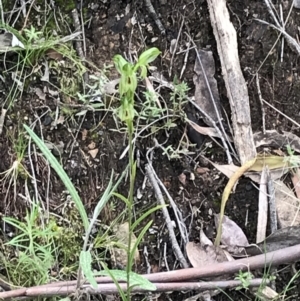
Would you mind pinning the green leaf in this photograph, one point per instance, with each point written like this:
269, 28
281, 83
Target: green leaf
105, 197
122, 198
148, 56
127, 70
141, 218
122, 294
137, 242
135, 279
120, 62
133, 83
123, 85
109, 191
85, 261
143, 71
62, 174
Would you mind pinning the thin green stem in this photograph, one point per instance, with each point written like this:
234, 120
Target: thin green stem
127, 88
130, 201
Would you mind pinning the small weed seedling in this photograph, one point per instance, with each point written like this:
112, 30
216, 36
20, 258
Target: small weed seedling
179, 95
245, 278
293, 160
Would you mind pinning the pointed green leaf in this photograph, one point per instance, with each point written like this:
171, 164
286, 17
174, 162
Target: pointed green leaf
120, 62
62, 174
135, 279
143, 71
85, 261
148, 56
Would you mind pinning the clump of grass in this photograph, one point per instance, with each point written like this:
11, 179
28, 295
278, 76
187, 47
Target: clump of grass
9, 177
35, 249
38, 46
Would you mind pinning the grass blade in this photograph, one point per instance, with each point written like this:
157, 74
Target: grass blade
62, 174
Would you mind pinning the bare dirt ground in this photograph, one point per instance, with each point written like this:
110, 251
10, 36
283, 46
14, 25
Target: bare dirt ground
127, 28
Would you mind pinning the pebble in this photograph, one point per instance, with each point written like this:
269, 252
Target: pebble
47, 120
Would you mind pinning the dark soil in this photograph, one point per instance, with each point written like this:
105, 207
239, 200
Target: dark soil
111, 32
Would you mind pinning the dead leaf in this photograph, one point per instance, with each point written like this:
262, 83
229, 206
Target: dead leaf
275, 174
204, 253
208, 131
273, 162
8, 41
276, 140
278, 152
287, 205
53, 93
5, 40
266, 293
227, 170
204, 240
173, 45
232, 234
280, 239
93, 152
54, 55
41, 95
203, 97
200, 256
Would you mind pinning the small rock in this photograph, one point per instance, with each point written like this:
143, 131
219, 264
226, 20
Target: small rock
47, 120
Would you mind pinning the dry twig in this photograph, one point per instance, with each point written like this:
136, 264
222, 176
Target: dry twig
262, 105
151, 176
155, 17
2, 119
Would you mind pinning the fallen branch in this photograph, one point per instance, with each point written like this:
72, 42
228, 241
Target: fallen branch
110, 288
279, 257
236, 87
